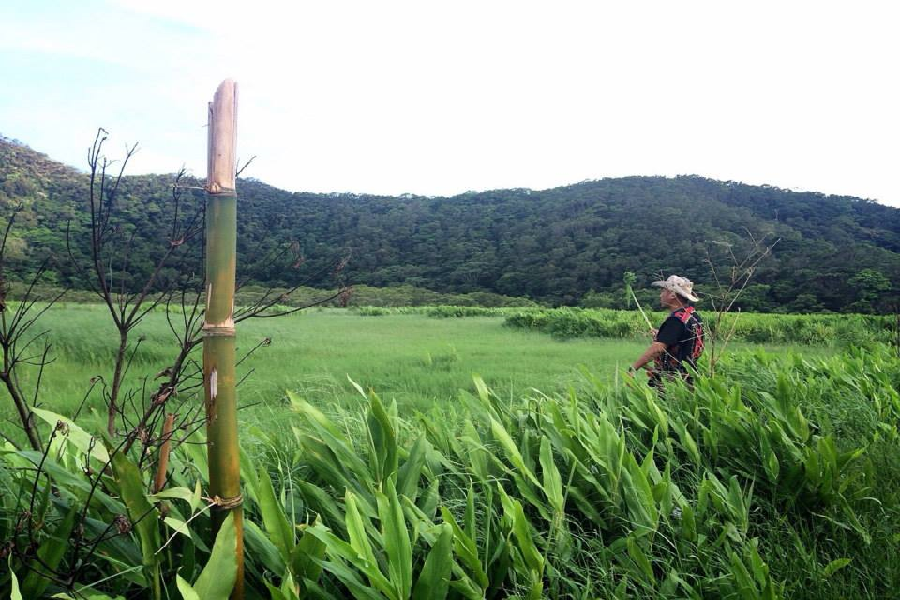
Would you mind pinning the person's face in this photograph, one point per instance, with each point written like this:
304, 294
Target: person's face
666, 297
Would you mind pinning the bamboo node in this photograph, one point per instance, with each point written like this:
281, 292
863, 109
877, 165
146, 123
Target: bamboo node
219, 503
220, 191
218, 330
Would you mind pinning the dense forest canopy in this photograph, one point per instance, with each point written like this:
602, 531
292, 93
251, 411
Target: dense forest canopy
566, 246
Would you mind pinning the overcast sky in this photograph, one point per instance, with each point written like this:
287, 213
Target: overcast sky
438, 98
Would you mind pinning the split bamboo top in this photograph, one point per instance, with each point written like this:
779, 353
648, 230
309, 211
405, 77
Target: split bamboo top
220, 171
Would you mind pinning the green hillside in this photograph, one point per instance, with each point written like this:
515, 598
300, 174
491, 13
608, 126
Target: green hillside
566, 245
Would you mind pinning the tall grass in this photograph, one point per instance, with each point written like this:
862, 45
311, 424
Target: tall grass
780, 477
749, 487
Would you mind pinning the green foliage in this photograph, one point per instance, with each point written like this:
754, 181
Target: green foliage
871, 286
218, 576
823, 329
602, 492
553, 246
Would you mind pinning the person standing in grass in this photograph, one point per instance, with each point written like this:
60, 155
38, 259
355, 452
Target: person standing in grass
678, 342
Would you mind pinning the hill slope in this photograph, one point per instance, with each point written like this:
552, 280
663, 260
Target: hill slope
554, 245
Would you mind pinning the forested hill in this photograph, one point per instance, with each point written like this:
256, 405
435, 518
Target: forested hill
566, 245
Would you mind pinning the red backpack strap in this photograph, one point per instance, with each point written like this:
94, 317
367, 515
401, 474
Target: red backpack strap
684, 314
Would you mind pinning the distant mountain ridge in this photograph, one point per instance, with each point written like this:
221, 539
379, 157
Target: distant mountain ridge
566, 245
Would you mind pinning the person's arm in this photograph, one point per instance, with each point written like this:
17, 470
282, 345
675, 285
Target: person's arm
652, 351
665, 337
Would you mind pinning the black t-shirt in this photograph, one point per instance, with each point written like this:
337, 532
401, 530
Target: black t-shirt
679, 337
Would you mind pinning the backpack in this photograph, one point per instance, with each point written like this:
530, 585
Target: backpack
692, 321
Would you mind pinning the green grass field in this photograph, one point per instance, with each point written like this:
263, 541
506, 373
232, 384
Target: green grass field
417, 360
777, 478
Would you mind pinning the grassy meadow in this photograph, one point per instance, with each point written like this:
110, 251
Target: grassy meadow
777, 478
407, 356
417, 360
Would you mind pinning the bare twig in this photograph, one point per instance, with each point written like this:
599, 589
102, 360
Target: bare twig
729, 288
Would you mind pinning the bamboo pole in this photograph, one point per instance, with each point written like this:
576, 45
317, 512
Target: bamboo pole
218, 326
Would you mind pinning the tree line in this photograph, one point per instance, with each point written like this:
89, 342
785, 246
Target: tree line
563, 246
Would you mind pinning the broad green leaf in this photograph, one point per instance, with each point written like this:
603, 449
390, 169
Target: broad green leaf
467, 588
420, 522
197, 498
835, 566
658, 414
249, 477
356, 529
770, 460
324, 504
639, 496
177, 526
274, 519
288, 588
217, 578
187, 591
469, 515
68, 481
51, 552
261, 549
522, 530
745, 584
640, 559
332, 437
434, 579
275, 593
502, 562
141, 512
757, 566
360, 590
430, 500
358, 388
396, 540
76, 436
384, 440
195, 455
588, 507
314, 415
465, 549
688, 523
307, 556
482, 389
16, 593
552, 479
180, 493
511, 450
409, 474
346, 554
687, 441
737, 504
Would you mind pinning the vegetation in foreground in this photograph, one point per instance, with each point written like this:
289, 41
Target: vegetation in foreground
778, 478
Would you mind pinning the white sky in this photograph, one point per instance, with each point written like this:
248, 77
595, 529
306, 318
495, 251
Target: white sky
438, 98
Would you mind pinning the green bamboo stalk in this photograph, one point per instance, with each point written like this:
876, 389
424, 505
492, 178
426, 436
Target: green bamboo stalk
218, 327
